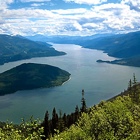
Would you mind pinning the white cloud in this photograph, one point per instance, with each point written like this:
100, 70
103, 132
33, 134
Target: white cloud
70, 11
134, 4
37, 4
27, 13
4, 4
77, 26
89, 2
79, 21
24, 1
90, 25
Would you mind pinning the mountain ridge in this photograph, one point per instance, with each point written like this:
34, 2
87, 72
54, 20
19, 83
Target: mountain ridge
13, 48
124, 46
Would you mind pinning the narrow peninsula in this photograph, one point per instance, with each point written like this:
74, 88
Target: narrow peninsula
29, 76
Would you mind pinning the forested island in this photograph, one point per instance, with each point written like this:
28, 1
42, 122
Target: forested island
31, 76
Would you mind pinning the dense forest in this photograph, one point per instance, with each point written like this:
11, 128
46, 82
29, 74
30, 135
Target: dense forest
14, 48
115, 119
29, 76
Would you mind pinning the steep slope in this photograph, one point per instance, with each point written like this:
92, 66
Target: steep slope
124, 46
14, 48
31, 76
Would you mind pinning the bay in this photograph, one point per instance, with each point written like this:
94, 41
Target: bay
100, 81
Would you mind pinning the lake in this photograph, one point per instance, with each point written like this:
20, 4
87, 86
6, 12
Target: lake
100, 81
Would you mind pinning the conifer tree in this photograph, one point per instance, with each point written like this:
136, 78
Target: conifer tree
77, 113
65, 119
130, 85
134, 79
83, 102
61, 124
46, 125
136, 90
54, 120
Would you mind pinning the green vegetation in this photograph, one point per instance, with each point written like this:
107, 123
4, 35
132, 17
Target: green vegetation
29, 130
135, 61
13, 48
31, 76
60, 122
115, 119
121, 45
124, 46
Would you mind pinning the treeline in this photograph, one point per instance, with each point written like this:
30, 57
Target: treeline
117, 119
59, 122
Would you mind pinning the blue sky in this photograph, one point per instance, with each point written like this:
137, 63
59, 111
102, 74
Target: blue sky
69, 17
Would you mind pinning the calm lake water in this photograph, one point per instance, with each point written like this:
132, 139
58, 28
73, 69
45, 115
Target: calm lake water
100, 81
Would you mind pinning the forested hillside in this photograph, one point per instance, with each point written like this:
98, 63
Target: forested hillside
13, 48
120, 45
124, 46
31, 76
115, 119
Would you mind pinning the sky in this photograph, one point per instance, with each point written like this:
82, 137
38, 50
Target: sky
69, 17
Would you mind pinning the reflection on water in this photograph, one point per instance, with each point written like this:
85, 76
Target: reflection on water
99, 80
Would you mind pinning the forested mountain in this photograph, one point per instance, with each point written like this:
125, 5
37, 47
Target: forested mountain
124, 46
31, 76
121, 45
14, 48
116, 45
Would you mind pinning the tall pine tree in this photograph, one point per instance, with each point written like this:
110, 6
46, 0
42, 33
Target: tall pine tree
83, 102
54, 121
46, 125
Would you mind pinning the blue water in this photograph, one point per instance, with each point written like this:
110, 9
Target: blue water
100, 81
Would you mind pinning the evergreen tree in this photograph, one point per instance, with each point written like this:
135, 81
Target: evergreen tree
61, 124
65, 119
134, 80
54, 120
135, 93
77, 113
135, 89
46, 125
130, 85
83, 102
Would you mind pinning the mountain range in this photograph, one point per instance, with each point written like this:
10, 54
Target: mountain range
65, 39
123, 46
126, 47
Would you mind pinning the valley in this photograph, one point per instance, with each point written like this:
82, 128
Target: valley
126, 47
100, 81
